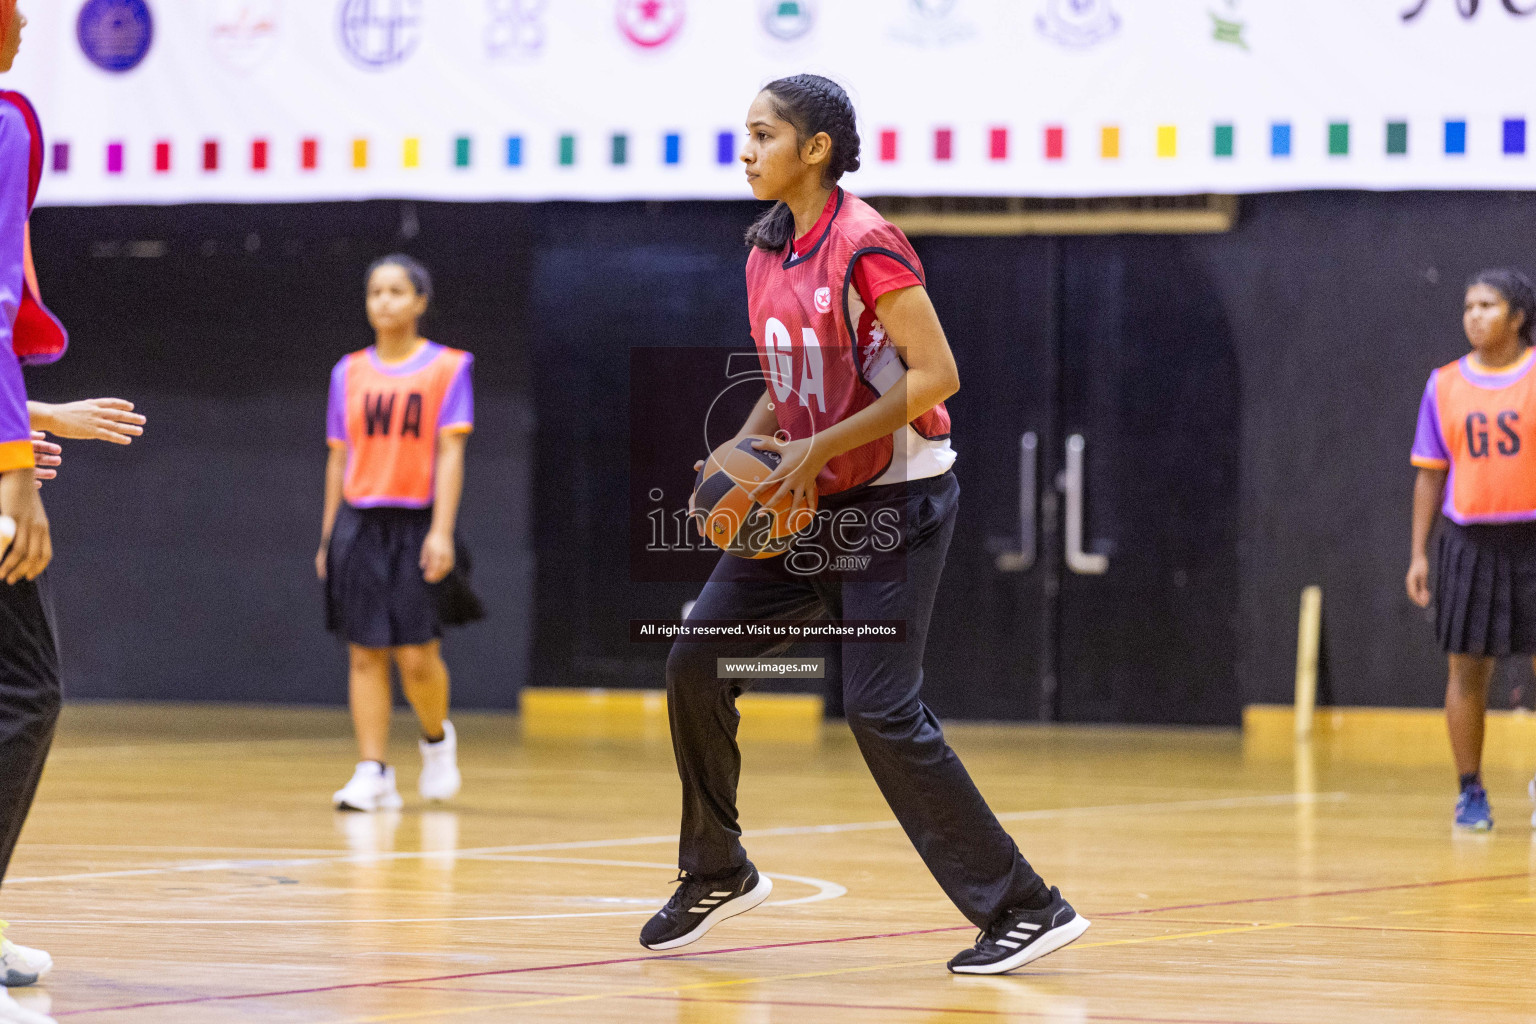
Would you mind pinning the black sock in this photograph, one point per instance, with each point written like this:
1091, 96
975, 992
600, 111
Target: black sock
718, 876
1037, 900
1467, 781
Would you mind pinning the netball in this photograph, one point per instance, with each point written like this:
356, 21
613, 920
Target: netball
728, 515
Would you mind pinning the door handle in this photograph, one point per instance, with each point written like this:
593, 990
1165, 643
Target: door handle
1079, 561
1023, 559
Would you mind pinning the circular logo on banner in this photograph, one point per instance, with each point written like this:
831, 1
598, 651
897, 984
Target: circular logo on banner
931, 23
788, 19
516, 31
243, 33
934, 8
1078, 23
650, 23
378, 33
115, 34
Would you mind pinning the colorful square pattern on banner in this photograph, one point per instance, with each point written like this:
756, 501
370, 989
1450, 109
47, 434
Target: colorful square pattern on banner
185, 101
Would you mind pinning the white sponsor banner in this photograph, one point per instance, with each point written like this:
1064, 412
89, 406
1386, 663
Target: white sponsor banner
156, 101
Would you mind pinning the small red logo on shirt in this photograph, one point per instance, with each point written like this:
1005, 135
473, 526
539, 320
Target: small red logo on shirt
823, 300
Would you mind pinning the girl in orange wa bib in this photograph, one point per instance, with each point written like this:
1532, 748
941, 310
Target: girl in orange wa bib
399, 414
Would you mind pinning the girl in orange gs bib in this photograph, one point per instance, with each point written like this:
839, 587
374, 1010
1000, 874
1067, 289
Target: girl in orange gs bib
1475, 450
856, 370
399, 415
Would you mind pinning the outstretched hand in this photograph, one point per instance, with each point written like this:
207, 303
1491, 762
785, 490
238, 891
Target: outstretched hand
96, 419
48, 456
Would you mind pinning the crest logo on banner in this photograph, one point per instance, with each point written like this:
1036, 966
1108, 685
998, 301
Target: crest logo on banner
788, 19
115, 34
516, 31
1078, 23
932, 23
378, 33
1229, 28
243, 33
650, 23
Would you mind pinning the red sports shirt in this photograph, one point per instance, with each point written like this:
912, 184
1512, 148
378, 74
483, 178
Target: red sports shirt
825, 354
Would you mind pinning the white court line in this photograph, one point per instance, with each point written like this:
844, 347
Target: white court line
1216, 803
190, 747
824, 891
151, 848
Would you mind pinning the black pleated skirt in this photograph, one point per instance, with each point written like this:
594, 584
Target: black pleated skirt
1485, 589
375, 595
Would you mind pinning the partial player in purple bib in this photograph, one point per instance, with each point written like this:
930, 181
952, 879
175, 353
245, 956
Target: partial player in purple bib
29, 335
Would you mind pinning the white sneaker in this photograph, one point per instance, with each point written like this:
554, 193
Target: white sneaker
440, 779
372, 789
12, 1012
21, 965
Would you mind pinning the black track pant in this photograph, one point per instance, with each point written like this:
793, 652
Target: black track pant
29, 703
974, 860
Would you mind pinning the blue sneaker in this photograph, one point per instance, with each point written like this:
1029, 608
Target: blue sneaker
1472, 810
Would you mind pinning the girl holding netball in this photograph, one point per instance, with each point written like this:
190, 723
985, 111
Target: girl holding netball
1476, 456
400, 413
858, 369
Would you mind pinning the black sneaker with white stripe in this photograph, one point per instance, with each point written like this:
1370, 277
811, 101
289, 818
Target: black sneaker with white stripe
1021, 936
699, 904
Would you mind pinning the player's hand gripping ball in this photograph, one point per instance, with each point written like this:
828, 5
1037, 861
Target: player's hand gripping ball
730, 518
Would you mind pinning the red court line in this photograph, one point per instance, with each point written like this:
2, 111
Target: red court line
944, 1010
772, 945
498, 973
1367, 927
1320, 895
424, 987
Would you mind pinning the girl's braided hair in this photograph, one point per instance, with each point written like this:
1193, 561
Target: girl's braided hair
812, 104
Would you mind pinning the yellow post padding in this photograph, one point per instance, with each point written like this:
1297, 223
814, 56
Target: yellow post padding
1309, 634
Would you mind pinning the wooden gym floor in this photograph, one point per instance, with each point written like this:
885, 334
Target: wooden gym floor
183, 865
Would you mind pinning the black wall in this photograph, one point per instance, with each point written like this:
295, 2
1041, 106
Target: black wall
184, 562
184, 565
1341, 303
